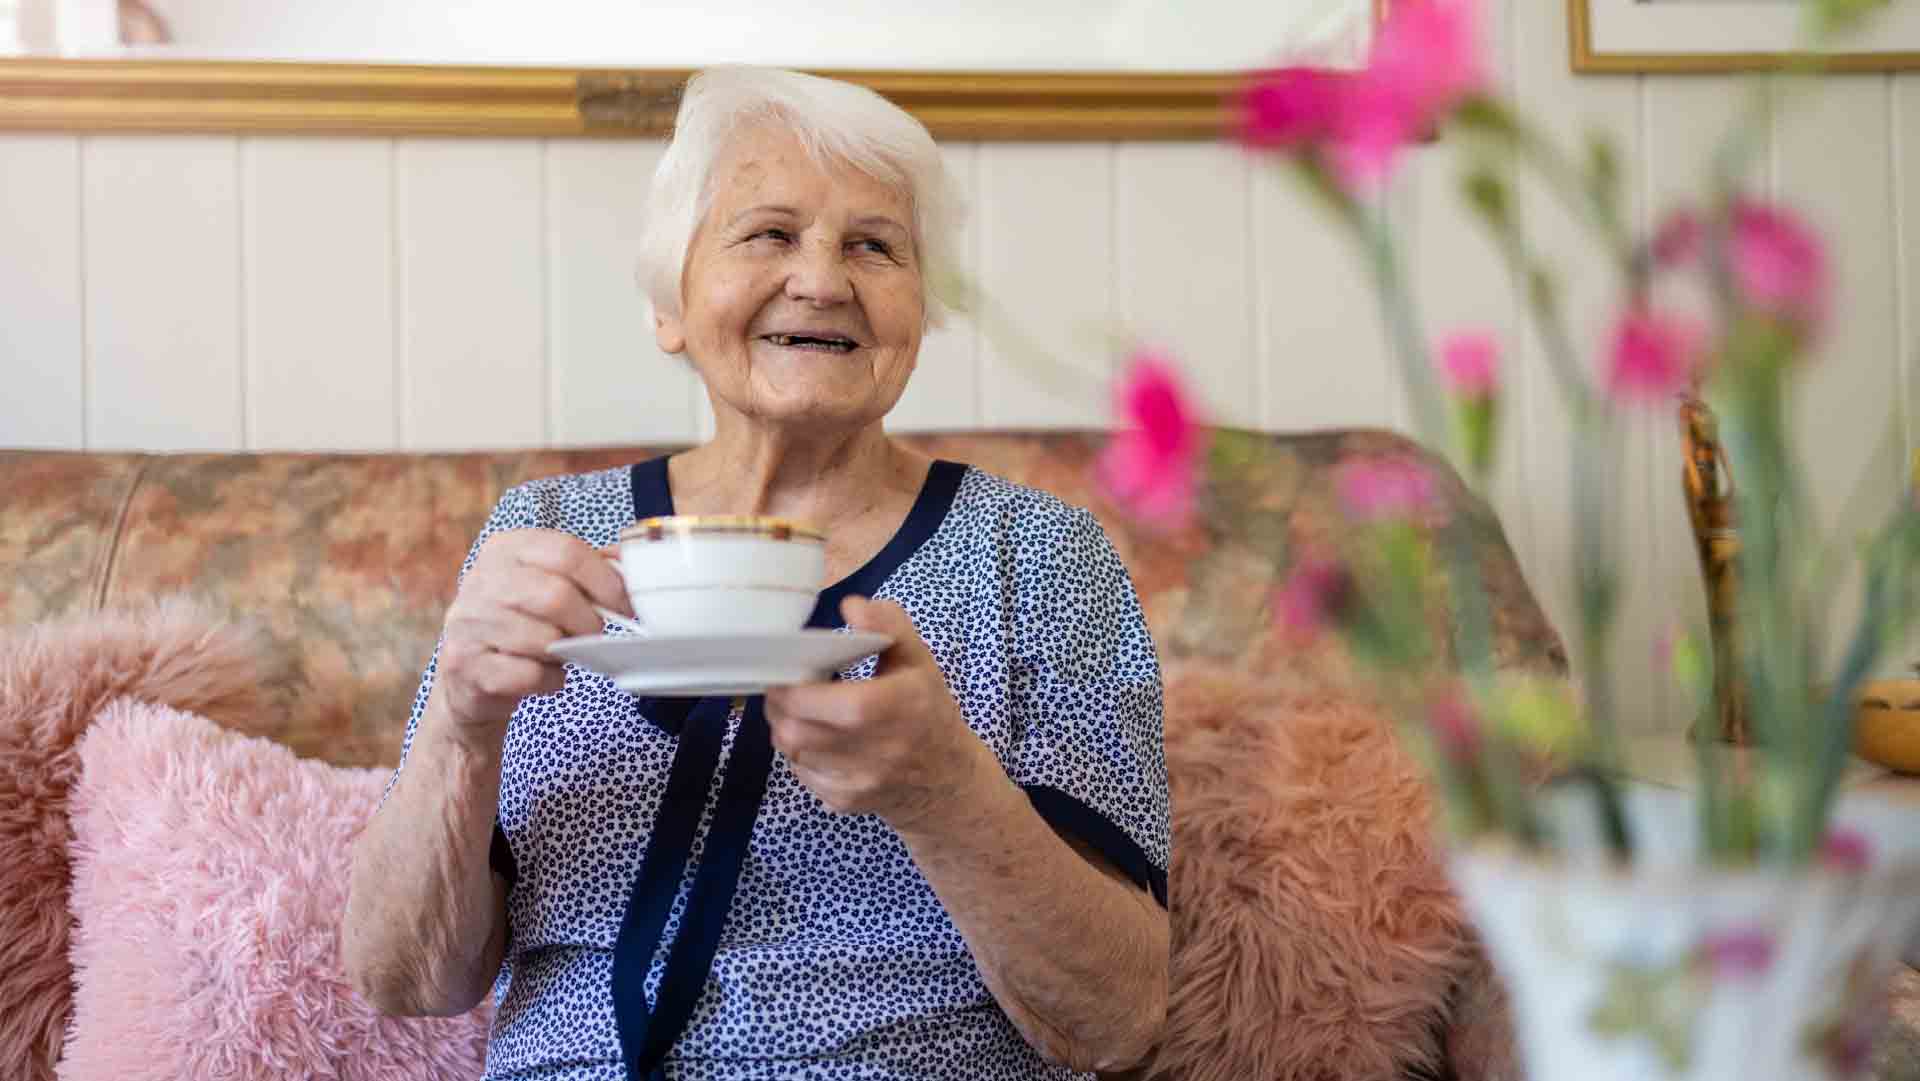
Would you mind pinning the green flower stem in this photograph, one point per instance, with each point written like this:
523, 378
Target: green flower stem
1488, 195
1592, 198
1598, 589
1887, 606
1835, 552
1777, 657
1593, 475
1495, 785
1831, 730
1403, 320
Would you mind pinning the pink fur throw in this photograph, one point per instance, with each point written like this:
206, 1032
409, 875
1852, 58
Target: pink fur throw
53, 679
1315, 936
210, 873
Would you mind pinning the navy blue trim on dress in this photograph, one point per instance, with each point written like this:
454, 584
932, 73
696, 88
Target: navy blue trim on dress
648, 1033
661, 868
1069, 815
690, 958
923, 521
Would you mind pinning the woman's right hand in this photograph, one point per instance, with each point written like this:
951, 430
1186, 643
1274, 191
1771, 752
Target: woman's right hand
526, 589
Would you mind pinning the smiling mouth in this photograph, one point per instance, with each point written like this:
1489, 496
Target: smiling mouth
828, 344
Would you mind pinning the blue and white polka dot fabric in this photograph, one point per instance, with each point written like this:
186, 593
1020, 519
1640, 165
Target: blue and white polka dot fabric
683, 908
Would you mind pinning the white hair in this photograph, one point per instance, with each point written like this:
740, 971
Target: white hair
838, 123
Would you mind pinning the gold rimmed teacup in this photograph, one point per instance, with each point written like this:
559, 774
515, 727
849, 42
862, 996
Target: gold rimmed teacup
722, 574
779, 529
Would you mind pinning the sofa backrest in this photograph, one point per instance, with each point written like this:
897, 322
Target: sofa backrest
346, 562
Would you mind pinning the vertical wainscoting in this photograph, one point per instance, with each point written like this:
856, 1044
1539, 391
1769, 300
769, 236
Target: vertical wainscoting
318, 311
1182, 251
608, 378
472, 254
160, 250
1046, 236
220, 292
42, 314
1846, 187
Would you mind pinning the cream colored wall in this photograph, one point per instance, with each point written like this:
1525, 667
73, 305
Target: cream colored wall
219, 292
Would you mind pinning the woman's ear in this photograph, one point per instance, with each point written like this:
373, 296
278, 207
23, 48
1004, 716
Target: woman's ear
669, 333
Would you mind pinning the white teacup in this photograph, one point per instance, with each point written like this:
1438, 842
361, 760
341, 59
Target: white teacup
722, 574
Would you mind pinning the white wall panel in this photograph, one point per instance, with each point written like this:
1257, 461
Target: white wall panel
611, 383
1850, 390
1046, 273
162, 251
317, 244
42, 331
472, 271
1183, 256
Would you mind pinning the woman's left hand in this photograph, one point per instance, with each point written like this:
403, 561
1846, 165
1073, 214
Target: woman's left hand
895, 745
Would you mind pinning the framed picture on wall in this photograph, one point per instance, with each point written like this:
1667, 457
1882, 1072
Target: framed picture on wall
1728, 35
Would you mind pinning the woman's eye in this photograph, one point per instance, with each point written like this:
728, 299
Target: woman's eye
878, 247
774, 234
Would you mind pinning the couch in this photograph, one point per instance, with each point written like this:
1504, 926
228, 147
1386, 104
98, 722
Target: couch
1288, 951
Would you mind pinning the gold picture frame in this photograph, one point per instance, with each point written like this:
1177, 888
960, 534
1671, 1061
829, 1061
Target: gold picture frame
1666, 37
90, 95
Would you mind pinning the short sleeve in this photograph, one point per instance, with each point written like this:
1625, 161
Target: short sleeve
515, 510
1086, 707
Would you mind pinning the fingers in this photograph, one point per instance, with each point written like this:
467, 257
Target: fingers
798, 737
888, 618
501, 675
507, 631
847, 705
551, 599
482, 684
580, 564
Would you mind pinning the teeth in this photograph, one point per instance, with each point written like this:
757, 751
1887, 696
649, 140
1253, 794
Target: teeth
809, 341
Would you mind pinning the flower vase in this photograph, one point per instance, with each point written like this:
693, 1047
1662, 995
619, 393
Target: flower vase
1671, 968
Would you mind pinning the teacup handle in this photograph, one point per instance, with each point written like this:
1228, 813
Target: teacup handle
613, 617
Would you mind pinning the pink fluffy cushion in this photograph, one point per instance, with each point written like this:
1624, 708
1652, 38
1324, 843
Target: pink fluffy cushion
54, 677
1315, 936
210, 873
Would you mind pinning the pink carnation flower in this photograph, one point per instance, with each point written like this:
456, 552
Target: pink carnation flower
1377, 490
1742, 954
1425, 61
1313, 595
1779, 264
1290, 108
1678, 241
1149, 467
1471, 363
1653, 355
1455, 726
1846, 850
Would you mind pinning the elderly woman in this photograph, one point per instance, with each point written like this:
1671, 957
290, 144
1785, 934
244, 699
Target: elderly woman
949, 862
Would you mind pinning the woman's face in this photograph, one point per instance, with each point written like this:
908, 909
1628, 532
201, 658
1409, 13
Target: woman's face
801, 300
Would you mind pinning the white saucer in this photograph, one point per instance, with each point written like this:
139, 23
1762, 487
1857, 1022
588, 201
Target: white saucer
696, 665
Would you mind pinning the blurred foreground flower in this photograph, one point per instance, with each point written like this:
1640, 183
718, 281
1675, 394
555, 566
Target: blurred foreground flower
1743, 954
1845, 850
1780, 265
1312, 598
1653, 355
1454, 725
1385, 490
1425, 61
1150, 466
1470, 362
1678, 241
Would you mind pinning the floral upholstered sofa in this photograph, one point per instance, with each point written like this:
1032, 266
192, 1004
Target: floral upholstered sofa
1314, 933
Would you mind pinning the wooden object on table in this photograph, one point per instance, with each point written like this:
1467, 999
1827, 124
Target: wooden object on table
1709, 491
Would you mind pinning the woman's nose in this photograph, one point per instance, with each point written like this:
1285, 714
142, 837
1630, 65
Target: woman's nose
819, 275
